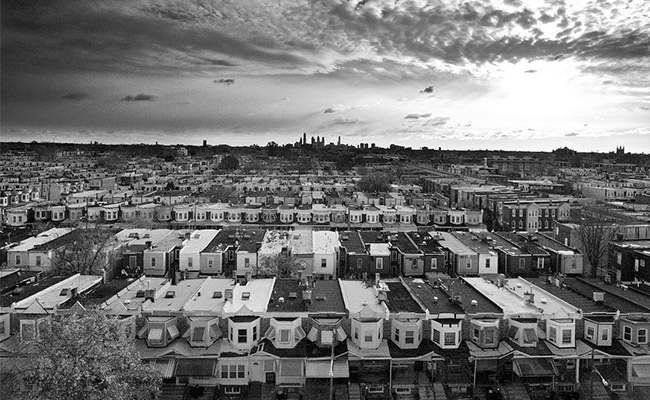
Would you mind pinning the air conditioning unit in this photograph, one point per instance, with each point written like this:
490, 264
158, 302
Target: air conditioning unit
599, 296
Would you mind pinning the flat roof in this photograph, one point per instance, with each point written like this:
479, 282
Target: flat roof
404, 243
175, 297
28, 290
358, 296
510, 302
425, 242
584, 303
301, 242
325, 242
259, 290
287, 297
520, 240
351, 241
273, 242
449, 241
326, 297
435, 300
399, 299
549, 304
587, 289
506, 246
40, 239
52, 296
205, 301
473, 242
127, 299
199, 240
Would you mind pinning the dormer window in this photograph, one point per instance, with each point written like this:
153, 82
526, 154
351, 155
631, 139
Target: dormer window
561, 332
203, 332
159, 331
524, 332
243, 331
485, 332
368, 332
446, 333
407, 333
598, 329
635, 329
285, 333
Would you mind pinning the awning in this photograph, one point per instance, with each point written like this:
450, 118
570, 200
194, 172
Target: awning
487, 365
165, 367
322, 368
195, 367
641, 370
534, 367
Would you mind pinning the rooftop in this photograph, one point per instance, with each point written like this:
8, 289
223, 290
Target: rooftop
425, 242
26, 291
175, 297
60, 292
433, 299
357, 296
199, 240
273, 242
251, 298
325, 242
576, 299
41, 239
449, 241
132, 297
399, 298
210, 297
550, 305
587, 289
511, 304
403, 243
301, 242
326, 297
473, 242
287, 296
352, 243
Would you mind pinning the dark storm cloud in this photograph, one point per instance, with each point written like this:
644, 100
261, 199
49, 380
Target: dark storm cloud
174, 35
139, 97
428, 89
417, 116
78, 96
224, 81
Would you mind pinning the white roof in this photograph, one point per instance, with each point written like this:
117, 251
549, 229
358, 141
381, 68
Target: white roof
260, 293
273, 242
198, 241
51, 296
510, 302
41, 238
543, 300
379, 249
325, 242
357, 297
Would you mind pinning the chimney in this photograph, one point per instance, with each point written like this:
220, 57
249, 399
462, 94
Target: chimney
381, 295
149, 294
306, 295
228, 295
148, 244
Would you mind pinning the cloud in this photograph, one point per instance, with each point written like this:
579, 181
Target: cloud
417, 116
428, 89
572, 134
340, 108
139, 97
530, 71
224, 81
77, 96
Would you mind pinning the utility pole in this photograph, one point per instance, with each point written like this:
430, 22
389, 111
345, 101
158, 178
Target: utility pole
332, 373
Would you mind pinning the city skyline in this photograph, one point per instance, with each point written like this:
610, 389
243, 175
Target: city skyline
512, 75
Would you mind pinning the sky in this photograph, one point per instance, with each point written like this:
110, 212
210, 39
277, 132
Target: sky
487, 74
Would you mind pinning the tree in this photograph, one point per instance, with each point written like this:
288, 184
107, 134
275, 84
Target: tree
89, 251
229, 163
280, 265
84, 356
595, 231
373, 183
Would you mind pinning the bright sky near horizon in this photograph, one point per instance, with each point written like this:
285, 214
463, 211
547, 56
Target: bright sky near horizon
487, 74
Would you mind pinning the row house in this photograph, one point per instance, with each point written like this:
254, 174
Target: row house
563, 259
487, 259
540, 258
133, 259
629, 260
34, 252
532, 216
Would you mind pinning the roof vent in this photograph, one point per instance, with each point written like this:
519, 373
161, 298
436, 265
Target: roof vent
170, 294
281, 299
435, 299
217, 295
245, 295
474, 303
599, 297
293, 295
543, 301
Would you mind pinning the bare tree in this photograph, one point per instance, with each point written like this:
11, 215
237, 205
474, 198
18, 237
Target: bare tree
89, 251
82, 356
280, 266
595, 231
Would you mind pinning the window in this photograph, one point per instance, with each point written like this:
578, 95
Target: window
567, 336
242, 336
323, 263
153, 262
190, 262
590, 332
605, 334
619, 258
521, 212
476, 333
379, 263
522, 263
18, 260
552, 334
642, 263
356, 333
368, 336
521, 224
450, 338
210, 262
642, 336
291, 368
414, 263
434, 263
468, 263
38, 261
247, 262
436, 336
489, 336
255, 332
627, 333
409, 337
397, 335
284, 336
233, 371
2, 327
359, 263
232, 390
